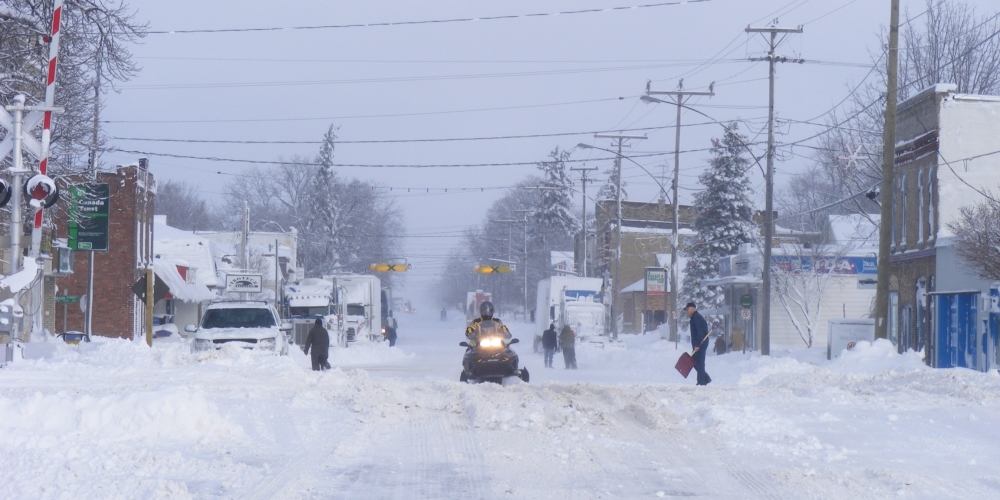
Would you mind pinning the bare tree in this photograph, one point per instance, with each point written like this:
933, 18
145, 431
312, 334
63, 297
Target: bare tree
183, 206
93, 52
949, 42
977, 237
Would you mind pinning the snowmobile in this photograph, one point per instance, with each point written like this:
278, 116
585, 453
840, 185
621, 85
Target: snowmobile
489, 358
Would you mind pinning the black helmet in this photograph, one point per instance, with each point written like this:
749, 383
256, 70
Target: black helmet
486, 309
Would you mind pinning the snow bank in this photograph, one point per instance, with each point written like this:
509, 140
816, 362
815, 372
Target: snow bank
169, 413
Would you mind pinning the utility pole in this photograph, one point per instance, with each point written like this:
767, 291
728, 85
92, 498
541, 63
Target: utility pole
525, 262
583, 222
680, 95
616, 280
888, 176
772, 59
17, 173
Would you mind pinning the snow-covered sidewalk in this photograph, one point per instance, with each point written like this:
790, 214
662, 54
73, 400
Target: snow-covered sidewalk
119, 420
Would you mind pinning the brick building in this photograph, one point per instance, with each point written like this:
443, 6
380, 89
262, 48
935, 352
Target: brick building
646, 231
116, 310
945, 154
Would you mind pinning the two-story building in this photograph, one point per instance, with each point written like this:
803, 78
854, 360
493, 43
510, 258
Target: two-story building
946, 157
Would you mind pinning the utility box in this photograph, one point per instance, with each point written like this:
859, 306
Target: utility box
844, 333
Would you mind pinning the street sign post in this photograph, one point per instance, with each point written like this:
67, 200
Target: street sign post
746, 301
64, 299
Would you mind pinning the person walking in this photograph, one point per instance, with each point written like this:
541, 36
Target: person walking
390, 333
699, 336
549, 344
568, 340
319, 340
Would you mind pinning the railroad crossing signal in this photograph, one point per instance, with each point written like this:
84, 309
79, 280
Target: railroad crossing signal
493, 269
384, 268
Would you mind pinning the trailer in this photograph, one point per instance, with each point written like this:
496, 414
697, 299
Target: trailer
573, 301
358, 306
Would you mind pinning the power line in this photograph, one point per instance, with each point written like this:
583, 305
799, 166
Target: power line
411, 23
424, 78
392, 141
393, 115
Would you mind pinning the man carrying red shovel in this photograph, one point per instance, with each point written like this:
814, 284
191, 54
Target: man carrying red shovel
699, 335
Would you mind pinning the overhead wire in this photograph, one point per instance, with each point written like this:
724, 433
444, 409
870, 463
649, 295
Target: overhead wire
419, 22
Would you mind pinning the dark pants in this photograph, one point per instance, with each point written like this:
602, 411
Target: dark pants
699, 366
392, 341
549, 353
319, 361
569, 356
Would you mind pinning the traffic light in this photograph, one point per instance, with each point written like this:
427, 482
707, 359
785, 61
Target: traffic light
384, 268
493, 269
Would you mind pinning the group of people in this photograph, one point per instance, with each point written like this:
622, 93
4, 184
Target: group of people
565, 341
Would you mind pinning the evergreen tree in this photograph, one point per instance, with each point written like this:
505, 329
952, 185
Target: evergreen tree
610, 188
554, 216
724, 217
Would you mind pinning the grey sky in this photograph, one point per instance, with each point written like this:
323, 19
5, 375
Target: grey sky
383, 70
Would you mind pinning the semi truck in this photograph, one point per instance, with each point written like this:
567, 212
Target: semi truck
358, 306
573, 301
306, 300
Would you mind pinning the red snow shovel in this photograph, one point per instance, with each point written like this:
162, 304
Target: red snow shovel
685, 364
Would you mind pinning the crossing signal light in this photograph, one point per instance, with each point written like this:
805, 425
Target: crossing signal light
493, 269
385, 268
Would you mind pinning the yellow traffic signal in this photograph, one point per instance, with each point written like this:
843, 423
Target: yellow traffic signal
492, 269
384, 268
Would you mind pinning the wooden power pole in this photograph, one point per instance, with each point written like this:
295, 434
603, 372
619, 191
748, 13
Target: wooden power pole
888, 159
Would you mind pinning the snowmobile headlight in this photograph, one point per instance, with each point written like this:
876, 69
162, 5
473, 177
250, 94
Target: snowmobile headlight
491, 342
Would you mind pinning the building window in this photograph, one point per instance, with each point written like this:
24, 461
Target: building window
902, 211
895, 214
892, 328
920, 207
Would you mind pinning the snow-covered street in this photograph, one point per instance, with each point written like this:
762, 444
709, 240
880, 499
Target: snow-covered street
119, 420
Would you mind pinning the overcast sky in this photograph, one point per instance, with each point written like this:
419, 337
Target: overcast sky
522, 76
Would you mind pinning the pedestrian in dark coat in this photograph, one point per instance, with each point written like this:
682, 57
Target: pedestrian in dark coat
720, 345
319, 340
549, 344
699, 337
568, 340
390, 334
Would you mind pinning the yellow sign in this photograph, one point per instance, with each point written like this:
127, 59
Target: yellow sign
492, 269
384, 268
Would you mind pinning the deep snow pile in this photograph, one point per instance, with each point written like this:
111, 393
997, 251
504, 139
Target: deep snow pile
119, 420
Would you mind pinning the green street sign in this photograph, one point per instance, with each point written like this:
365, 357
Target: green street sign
746, 301
89, 205
60, 299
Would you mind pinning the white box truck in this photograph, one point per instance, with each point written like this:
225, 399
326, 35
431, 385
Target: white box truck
573, 301
358, 305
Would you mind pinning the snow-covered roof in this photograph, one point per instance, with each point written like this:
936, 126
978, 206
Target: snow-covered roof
638, 286
179, 288
185, 248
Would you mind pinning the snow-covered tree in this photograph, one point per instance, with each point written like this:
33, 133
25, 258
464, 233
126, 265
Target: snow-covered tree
93, 50
977, 237
610, 188
554, 216
724, 217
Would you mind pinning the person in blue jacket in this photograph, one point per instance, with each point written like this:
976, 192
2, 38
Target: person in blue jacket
699, 337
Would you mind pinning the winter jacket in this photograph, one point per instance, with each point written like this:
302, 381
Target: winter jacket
699, 330
319, 340
549, 338
567, 338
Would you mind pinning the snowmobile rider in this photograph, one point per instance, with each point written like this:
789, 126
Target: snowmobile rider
477, 329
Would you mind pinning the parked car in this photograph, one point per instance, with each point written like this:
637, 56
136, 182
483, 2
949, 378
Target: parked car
252, 325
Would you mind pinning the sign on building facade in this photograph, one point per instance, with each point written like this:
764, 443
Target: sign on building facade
89, 206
